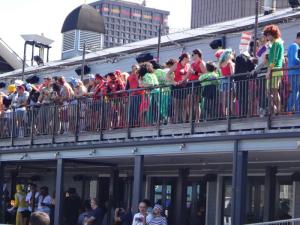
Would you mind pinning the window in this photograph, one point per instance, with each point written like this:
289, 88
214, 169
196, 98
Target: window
112, 20
115, 10
137, 14
147, 16
112, 26
125, 11
105, 9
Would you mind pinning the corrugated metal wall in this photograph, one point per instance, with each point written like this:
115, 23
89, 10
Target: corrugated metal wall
205, 12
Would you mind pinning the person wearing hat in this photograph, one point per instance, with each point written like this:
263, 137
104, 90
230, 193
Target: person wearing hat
158, 218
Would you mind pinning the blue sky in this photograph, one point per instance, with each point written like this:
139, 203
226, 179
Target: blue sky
46, 16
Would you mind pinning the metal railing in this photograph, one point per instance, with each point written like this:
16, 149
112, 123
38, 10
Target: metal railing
280, 222
236, 97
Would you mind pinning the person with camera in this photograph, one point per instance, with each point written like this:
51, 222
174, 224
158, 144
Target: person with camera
122, 217
142, 217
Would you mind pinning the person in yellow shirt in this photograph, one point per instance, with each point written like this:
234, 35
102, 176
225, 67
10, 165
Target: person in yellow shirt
21, 205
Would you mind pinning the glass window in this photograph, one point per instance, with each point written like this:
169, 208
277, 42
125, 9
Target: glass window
125, 11
105, 9
115, 10
137, 14
285, 202
112, 26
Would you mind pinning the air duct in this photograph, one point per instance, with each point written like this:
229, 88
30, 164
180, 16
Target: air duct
269, 6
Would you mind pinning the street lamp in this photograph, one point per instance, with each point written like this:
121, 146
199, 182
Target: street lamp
36, 41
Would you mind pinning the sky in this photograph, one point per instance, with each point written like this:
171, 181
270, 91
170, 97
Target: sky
47, 16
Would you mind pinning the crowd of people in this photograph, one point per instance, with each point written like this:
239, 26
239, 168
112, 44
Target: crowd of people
35, 202
250, 83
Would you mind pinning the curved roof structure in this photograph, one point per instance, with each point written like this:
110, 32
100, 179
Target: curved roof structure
9, 60
84, 17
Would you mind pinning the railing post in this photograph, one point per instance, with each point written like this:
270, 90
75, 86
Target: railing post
53, 122
101, 117
270, 100
229, 85
31, 124
77, 120
128, 115
12, 132
192, 111
158, 111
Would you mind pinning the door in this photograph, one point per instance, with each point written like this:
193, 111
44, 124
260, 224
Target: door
163, 193
196, 202
254, 200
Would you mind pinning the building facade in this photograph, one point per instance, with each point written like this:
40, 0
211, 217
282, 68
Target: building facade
128, 22
206, 12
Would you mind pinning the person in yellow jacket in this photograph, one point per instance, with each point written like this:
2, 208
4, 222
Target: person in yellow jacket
21, 205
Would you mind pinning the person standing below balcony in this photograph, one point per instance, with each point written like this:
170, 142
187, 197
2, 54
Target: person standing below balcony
197, 69
158, 218
141, 218
44, 201
32, 198
20, 204
294, 75
275, 61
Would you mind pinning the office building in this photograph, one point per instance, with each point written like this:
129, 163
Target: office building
128, 22
206, 12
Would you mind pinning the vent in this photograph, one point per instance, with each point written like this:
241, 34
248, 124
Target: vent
94, 41
69, 41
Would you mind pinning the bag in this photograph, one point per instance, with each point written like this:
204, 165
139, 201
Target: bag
25, 214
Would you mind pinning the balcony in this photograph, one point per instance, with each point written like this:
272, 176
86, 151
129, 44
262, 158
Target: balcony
240, 105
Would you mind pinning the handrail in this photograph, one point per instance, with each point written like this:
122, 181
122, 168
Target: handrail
191, 105
279, 222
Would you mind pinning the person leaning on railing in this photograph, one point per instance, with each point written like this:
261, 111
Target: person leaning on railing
209, 82
179, 90
275, 62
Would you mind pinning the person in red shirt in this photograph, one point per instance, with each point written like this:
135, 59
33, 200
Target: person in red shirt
116, 101
179, 91
135, 96
197, 68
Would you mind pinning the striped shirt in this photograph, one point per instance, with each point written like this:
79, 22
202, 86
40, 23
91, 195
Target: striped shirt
158, 220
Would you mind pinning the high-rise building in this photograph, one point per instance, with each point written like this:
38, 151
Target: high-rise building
128, 22
206, 12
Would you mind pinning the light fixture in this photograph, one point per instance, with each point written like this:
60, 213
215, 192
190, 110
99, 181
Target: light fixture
93, 152
134, 150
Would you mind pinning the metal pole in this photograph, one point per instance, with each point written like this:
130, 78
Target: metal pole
47, 54
159, 42
83, 60
239, 184
256, 26
137, 181
24, 61
59, 192
2, 194
32, 54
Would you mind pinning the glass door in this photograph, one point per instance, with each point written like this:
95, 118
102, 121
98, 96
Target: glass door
196, 202
163, 193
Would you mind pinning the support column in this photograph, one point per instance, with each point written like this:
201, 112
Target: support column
137, 181
180, 204
270, 194
239, 185
2, 198
59, 192
114, 194
211, 206
296, 202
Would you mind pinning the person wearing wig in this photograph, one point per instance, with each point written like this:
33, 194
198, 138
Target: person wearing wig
275, 63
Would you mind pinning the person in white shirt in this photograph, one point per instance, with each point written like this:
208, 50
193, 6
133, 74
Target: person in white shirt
142, 217
44, 201
31, 201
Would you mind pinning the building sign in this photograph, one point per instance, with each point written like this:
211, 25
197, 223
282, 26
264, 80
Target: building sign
125, 12
245, 41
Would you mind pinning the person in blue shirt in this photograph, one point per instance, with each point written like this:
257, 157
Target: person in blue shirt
294, 75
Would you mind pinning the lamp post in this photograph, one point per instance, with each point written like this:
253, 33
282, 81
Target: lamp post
256, 25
